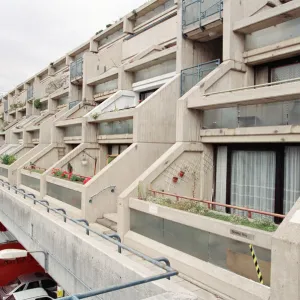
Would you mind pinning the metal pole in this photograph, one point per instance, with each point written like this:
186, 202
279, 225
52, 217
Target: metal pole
46, 258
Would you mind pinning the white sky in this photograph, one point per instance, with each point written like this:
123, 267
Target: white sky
34, 33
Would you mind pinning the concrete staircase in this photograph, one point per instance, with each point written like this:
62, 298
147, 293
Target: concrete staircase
109, 221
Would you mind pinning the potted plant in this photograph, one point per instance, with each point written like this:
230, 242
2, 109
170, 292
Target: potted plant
181, 174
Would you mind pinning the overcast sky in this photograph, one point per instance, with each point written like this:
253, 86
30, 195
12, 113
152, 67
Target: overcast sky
34, 33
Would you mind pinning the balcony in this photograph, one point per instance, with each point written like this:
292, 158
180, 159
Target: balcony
76, 69
200, 16
73, 133
118, 106
191, 76
116, 130
284, 90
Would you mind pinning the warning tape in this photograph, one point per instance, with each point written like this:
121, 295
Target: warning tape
259, 275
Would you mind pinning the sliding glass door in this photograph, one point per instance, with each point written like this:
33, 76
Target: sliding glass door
263, 177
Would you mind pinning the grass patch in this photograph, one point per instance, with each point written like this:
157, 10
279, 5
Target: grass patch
199, 209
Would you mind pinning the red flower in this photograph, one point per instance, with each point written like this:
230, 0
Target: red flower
86, 180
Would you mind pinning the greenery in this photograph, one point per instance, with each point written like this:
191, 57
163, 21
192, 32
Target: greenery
37, 104
70, 167
110, 159
95, 116
8, 159
59, 174
77, 178
199, 209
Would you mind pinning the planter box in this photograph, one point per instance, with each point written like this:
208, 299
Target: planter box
222, 245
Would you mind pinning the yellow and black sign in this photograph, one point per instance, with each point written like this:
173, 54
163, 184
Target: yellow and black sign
259, 275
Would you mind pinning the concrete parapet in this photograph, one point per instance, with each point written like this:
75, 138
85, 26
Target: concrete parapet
286, 258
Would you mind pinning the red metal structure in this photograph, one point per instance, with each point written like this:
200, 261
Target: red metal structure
11, 269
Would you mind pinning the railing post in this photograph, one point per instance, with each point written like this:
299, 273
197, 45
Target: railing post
249, 214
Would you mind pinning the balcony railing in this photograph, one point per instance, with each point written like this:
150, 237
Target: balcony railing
76, 68
268, 114
197, 10
116, 127
73, 103
191, 76
30, 92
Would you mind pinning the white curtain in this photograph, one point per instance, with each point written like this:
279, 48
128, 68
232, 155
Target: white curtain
253, 180
292, 178
221, 176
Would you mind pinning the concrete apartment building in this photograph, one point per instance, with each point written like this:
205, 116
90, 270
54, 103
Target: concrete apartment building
208, 89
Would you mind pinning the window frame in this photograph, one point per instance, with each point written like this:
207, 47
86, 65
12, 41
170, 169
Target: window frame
279, 150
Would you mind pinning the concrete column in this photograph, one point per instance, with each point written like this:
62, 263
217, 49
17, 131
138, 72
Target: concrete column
128, 26
125, 80
89, 71
89, 132
285, 268
184, 46
233, 43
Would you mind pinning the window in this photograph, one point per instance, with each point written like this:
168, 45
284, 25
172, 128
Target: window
114, 151
20, 288
48, 283
259, 176
253, 180
33, 285
146, 94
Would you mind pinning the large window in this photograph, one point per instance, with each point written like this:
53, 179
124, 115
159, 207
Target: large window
262, 177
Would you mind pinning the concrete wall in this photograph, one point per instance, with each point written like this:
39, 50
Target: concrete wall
121, 172
77, 261
188, 185
156, 35
286, 258
155, 118
87, 170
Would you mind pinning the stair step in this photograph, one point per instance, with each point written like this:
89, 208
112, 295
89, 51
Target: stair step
112, 217
100, 228
107, 223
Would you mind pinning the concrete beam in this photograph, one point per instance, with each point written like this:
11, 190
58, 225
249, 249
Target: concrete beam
268, 18
274, 93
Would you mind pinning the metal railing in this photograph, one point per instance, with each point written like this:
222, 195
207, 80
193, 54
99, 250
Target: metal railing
197, 10
212, 205
73, 103
76, 68
115, 239
191, 76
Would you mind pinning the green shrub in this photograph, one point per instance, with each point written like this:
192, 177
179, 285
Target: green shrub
76, 178
198, 208
37, 103
7, 159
